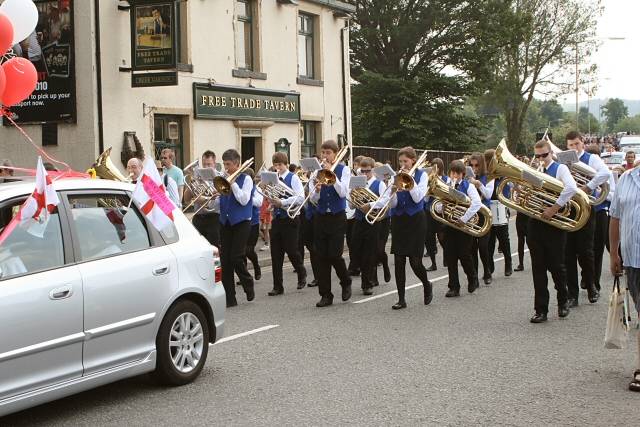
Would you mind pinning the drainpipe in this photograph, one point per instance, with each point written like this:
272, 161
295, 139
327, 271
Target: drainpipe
96, 10
346, 87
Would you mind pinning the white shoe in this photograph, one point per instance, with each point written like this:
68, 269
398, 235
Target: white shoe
265, 248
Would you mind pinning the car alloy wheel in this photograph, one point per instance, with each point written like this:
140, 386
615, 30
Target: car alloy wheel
186, 342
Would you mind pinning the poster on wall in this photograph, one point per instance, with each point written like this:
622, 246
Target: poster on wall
51, 50
153, 41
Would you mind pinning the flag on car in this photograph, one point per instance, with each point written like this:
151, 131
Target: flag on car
34, 212
151, 197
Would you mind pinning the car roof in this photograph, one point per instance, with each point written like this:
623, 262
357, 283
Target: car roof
22, 186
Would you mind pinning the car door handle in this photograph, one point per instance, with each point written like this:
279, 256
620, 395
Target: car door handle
159, 271
61, 292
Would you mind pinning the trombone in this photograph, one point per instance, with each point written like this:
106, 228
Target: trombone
223, 185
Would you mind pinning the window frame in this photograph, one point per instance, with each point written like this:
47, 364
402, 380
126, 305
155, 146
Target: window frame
155, 239
304, 124
311, 71
67, 245
250, 20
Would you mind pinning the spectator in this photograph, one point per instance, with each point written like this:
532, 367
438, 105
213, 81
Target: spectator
167, 159
630, 158
624, 231
134, 167
5, 172
170, 187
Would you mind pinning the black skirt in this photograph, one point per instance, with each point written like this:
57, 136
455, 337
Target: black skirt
408, 234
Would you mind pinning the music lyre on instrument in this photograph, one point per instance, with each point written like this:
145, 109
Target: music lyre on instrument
534, 191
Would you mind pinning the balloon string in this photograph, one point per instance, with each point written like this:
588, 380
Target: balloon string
6, 113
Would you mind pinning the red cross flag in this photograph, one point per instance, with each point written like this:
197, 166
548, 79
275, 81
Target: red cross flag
151, 197
36, 209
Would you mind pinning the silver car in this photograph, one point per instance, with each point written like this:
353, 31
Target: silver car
96, 294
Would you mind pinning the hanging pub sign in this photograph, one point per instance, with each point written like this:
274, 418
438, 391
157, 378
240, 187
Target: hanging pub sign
153, 34
51, 50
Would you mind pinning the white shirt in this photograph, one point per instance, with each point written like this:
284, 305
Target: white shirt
296, 186
242, 195
476, 203
602, 171
625, 208
257, 199
418, 192
486, 191
570, 187
172, 190
341, 186
612, 186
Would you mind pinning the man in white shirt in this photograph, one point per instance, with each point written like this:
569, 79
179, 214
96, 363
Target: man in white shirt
547, 243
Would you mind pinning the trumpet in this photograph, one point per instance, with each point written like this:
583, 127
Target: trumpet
532, 199
583, 173
223, 185
450, 205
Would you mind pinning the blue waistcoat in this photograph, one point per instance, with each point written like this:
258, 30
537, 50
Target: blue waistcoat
232, 212
483, 180
375, 188
552, 170
406, 205
329, 198
278, 212
585, 158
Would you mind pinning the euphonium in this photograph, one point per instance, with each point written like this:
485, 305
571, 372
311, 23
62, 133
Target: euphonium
584, 173
532, 198
223, 185
452, 205
105, 168
200, 189
360, 197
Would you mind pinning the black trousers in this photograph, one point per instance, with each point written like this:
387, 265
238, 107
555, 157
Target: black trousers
364, 244
600, 241
480, 246
547, 249
580, 248
458, 247
284, 239
353, 262
300, 219
232, 255
328, 243
250, 252
434, 230
501, 234
307, 226
209, 226
522, 223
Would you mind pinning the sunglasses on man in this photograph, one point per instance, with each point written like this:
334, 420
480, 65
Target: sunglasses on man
541, 155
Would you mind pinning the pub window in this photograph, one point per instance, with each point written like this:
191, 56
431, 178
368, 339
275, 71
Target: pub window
305, 46
244, 35
182, 45
309, 140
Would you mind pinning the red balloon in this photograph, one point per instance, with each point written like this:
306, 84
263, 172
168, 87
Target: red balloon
21, 80
3, 82
6, 33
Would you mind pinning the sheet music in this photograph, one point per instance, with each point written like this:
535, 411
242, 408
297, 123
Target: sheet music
568, 157
357, 182
205, 173
532, 179
269, 178
310, 165
384, 172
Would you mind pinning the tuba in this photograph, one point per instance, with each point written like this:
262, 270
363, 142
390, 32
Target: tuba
105, 169
453, 206
223, 185
583, 173
534, 191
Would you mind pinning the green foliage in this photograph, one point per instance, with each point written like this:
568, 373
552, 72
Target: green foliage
628, 124
614, 111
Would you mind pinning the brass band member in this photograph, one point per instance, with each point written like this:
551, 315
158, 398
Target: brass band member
458, 245
284, 230
434, 228
500, 224
580, 243
353, 267
235, 220
485, 190
408, 229
207, 221
547, 243
383, 237
330, 223
250, 253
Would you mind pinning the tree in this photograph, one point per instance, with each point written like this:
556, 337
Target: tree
414, 63
587, 122
552, 111
614, 110
628, 124
546, 37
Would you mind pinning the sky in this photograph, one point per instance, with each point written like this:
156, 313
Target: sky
618, 60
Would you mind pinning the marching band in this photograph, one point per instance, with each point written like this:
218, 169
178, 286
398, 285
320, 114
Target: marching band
467, 210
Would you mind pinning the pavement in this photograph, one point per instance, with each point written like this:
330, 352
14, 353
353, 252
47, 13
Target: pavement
472, 360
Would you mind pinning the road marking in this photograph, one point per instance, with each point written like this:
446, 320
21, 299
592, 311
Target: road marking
244, 334
415, 285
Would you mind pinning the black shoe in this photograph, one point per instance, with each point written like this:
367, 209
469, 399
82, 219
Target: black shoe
572, 302
251, 294
232, 303
583, 284
375, 283
563, 310
487, 280
274, 292
452, 293
520, 267
313, 284
399, 305
508, 271
433, 267
367, 291
593, 294
387, 273
346, 292
257, 275
539, 318
301, 285
471, 287
324, 302
428, 293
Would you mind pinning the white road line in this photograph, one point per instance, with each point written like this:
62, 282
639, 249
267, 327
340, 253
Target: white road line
244, 334
415, 285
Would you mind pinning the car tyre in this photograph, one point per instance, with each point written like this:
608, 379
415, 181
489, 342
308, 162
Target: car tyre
182, 344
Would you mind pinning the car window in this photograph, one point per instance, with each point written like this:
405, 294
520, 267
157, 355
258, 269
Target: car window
30, 247
106, 225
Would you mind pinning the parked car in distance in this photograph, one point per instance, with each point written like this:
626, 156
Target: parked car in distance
613, 159
630, 143
95, 294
